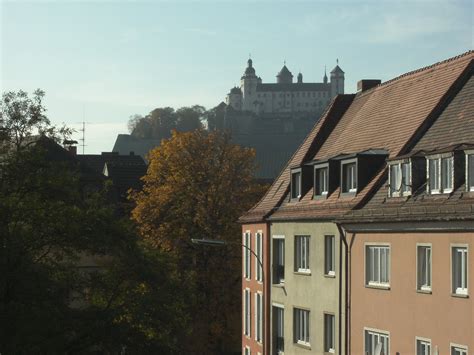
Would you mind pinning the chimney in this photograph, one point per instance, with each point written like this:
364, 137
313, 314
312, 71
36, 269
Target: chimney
72, 149
366, 84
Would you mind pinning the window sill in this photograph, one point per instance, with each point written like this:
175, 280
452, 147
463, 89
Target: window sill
303, 345
348, 194
301, 272
280, 285
460, 295
330, 276
331, 352
426, 292
320, 197
378, 286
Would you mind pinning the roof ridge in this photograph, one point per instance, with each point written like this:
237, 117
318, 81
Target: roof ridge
416, 71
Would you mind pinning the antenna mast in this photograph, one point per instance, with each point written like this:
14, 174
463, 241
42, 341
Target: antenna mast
83, 130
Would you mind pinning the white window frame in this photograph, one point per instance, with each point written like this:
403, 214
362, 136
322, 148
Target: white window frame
301, 326
282, 329
331, 350
402, 176
259, 255
439, 174
377, 283
460, 291
302, 253
247, 351
377, 332
247, 255
279, 238
258, 317
469, 179
425, 342
462, 349
352, 188
247, 312
325, 187
330, 266
425, 287
296, 194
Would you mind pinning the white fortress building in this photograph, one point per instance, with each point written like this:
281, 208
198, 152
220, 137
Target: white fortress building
285, 96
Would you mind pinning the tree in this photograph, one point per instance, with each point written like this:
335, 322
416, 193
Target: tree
189, 118
198, 184
74, 277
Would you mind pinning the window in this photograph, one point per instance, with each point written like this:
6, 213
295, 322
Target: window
377, 259
373, 339
470, 171
278, 334
423, 346
329, 253
458, 349
321, 181
247, 246
259, 256
301, 326
329, 333
459, 270
400, 179
247, 351
258, 317
440, 175
296, 184
247, 312
302, 253
349, 177
424, 267
278, 260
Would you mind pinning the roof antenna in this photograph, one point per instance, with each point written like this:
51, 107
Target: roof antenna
337, 61
83, 129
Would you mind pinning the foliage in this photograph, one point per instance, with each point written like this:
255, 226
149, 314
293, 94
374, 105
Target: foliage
74, 277
197, 186
159, 123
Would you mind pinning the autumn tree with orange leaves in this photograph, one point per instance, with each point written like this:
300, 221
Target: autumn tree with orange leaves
198, 184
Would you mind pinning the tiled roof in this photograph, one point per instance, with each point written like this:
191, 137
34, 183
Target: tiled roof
453, 129
125, 176
390, 116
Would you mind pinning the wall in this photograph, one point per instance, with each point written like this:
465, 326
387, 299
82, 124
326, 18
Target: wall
403, 311
316, 292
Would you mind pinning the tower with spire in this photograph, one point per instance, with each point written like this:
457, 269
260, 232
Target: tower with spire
285, 97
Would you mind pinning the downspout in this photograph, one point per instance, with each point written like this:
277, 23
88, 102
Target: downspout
342, 236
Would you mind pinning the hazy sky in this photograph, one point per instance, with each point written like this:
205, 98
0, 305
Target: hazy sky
108, 60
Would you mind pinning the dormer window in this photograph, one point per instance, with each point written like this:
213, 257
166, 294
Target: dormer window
470, 171
296, 184
440, 174
400, 178
321, 180
349, 177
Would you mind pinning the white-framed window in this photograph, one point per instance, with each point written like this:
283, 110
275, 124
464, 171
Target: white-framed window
321, 181
459, 270
375, 339
400, 178
247, 305
258, 316
349, 177
329, 328
440, 174
296, 184
278, 270
423, 256
246, 251
470, 171
301, 326
247, 351
259, 256
329, 255
457, 349
377, 261
302, 253
278, 329
423, 346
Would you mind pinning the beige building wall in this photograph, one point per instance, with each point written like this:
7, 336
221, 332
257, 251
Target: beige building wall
315, 292
404, 312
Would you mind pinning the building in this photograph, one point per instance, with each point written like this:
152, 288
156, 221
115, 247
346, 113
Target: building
284, 96
337, 231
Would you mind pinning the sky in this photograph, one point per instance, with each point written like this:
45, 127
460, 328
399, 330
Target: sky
104, 61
